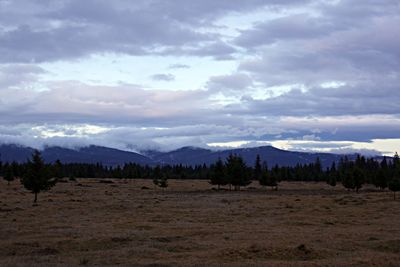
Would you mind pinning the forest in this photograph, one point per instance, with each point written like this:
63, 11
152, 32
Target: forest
231, 172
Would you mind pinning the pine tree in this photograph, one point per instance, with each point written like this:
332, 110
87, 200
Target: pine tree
268, 179
394, 186
346, 173
258, 172
381, 179
36, 178
237, 172
160, 178
163, 182
382, 176
156, 175
317, 170
331, 176
358, 177
8, 174
57, 169
396, 160
218, 174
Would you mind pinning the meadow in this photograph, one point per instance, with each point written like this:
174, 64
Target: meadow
93, 222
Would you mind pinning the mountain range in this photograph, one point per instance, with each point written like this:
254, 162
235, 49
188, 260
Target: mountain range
185, 156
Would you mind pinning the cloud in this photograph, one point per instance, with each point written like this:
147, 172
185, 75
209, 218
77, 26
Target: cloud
292, 27
43, 31
362, 99
236, 81
310, 49
179, 66
77, 102
186, 115
19, 75
48, 31
311, 71
163, 77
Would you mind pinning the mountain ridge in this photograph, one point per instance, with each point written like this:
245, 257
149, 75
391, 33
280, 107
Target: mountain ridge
189, 156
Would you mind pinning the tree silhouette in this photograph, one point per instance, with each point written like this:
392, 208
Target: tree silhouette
396, 160
160, 177
268, 179
57, 169
332, 175
218, 174
258, 172
394, 186
237, 172
163, 183
358, 179
37, 178
381, 178
317, 170
8, 173
156, 175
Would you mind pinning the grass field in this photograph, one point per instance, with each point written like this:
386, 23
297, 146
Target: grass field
120, 223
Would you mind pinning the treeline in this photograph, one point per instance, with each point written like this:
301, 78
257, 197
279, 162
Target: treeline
127, 171
232, 172
352, 174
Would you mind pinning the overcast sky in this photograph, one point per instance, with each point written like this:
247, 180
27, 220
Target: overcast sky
297, 74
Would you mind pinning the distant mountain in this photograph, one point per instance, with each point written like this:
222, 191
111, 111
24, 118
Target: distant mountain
272, 155
94, 154
185, 156
9, 153
90, 154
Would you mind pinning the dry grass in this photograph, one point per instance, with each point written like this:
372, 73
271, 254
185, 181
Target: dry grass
104, 224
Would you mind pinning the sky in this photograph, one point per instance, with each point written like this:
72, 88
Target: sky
303, 75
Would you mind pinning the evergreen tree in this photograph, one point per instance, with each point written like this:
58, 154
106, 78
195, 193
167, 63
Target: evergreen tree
331, 176
156, 175
346, 173
160, 178
258, 172
353, 178
57, 169
237, 172
380, 180
163, 182
358, 177
317, 170
396, 160
384, 164
394, 186
8, 174
218, 174
347, 177
381, 177
36, 178
268, 179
